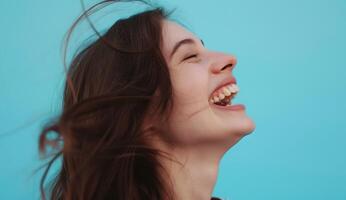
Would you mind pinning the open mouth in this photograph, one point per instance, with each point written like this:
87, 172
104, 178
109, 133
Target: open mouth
224, 95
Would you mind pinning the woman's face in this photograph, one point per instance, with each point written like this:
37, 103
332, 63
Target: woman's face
194, 119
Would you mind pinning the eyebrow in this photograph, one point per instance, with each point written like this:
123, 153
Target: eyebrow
180, 43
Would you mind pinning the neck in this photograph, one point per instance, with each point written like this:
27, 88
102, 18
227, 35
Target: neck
194, 176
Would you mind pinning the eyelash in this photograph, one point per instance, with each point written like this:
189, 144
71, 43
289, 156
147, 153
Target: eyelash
192, 56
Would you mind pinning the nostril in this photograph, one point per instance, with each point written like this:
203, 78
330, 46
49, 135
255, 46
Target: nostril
228, 65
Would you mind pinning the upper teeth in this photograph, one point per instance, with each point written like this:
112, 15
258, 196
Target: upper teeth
223, 92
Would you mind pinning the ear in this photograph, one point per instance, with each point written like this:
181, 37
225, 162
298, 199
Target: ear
153, 123
149, 122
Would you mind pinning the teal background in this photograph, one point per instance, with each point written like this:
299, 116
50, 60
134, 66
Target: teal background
291, 71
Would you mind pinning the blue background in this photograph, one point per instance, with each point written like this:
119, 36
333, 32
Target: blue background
291, 71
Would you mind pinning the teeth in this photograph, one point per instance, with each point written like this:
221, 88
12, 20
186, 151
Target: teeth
236, 86
232, 88
216, 99
226, 91
221, 96
223, 92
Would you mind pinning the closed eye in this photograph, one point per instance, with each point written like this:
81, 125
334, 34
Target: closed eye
192, 56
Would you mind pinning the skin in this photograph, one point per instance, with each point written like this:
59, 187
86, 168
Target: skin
197, 133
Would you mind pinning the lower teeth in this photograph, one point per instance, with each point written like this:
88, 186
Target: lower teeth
225, 102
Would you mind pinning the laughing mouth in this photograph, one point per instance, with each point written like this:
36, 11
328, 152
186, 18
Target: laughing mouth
224, 95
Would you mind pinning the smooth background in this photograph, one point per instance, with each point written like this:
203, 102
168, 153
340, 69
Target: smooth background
291, 71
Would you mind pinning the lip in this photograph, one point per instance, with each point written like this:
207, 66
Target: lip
235, 107
225, 82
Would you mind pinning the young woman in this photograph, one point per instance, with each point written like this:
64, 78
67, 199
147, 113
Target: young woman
147, 114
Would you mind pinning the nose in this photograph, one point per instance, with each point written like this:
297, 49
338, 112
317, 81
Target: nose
222, 62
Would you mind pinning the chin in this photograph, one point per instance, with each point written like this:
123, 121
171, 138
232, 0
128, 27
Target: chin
248, 126
240, 127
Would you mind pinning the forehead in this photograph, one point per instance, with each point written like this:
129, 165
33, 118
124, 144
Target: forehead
172, 33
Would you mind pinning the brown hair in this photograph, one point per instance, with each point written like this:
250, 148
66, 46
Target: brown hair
110, 86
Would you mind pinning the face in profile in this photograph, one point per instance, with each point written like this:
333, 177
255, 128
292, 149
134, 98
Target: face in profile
202, 81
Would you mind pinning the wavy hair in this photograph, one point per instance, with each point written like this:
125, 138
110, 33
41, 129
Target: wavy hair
111, 85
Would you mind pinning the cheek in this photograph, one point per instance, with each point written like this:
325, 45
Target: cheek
190, 84
190, 87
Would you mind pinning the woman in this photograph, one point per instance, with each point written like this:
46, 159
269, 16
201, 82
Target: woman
145, 115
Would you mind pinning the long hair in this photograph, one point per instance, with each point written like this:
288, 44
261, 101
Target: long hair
110, 86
